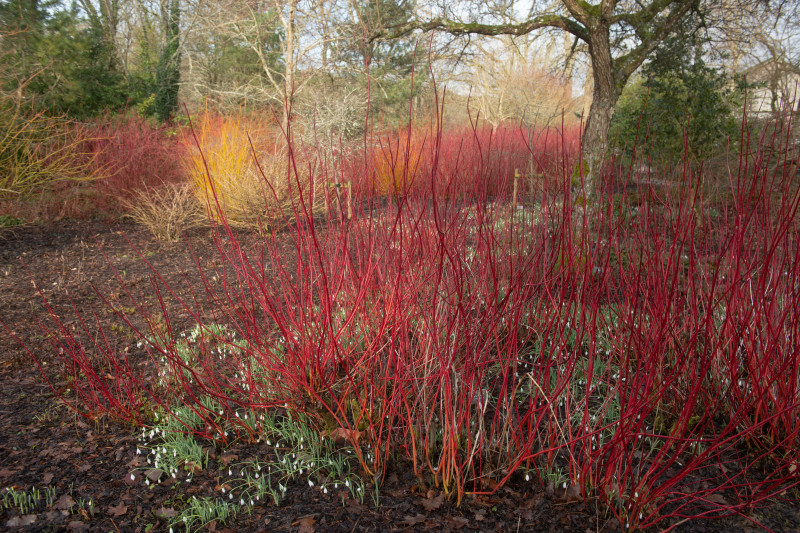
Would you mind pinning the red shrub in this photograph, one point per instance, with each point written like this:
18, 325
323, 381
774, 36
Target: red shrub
133, 155
644, 355
127, 154
465, 162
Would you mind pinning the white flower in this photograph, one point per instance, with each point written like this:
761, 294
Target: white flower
133, 477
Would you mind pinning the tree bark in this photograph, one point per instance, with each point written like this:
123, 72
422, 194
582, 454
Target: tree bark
605, 93
288, 79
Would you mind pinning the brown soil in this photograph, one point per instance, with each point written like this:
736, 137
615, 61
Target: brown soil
43, 444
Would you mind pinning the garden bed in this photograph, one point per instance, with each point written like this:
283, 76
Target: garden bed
87, 471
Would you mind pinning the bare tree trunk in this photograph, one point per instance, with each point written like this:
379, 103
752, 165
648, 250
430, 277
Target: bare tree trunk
605, 92
288, 78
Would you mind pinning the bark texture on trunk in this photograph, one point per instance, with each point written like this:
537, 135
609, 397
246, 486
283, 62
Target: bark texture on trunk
605, 93
288, 78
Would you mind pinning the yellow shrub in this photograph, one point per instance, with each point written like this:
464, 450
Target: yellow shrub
247, 183
398, 161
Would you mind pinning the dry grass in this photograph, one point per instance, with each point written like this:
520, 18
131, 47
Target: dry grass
167, 211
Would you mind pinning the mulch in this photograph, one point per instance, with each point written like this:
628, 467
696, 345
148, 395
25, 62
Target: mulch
44, 444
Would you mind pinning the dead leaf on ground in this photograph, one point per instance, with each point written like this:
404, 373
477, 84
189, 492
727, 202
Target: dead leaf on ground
193, 467
166, 512
118, 510
354, 507
306, 524
431, 504
64, 503
413, 520
8, 472
21, 521
457, 522
47, 478
344, 434
226, 459
154, 474
571, 493
718, 499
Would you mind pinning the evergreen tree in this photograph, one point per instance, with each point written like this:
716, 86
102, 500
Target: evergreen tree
68, 66
679, 92
389, 64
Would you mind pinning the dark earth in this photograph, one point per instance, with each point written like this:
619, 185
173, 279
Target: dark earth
44, 444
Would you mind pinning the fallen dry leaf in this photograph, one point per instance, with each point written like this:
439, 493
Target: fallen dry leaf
413, 520
354, 507
718, 499
166, 512
118, 510
47, 478
154, 474
193, 467
64, 503
21, 521
226, 459
8, 472
346, 435
306, 524
431, 504
457, 522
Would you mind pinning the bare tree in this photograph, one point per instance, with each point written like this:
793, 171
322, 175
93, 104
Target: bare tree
282, 36
510, 82
619, 36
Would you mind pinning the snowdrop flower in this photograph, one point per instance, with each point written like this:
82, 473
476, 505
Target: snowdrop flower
133, 477
310, 483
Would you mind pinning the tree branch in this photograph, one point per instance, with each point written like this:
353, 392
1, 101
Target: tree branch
464, 28
628, 63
